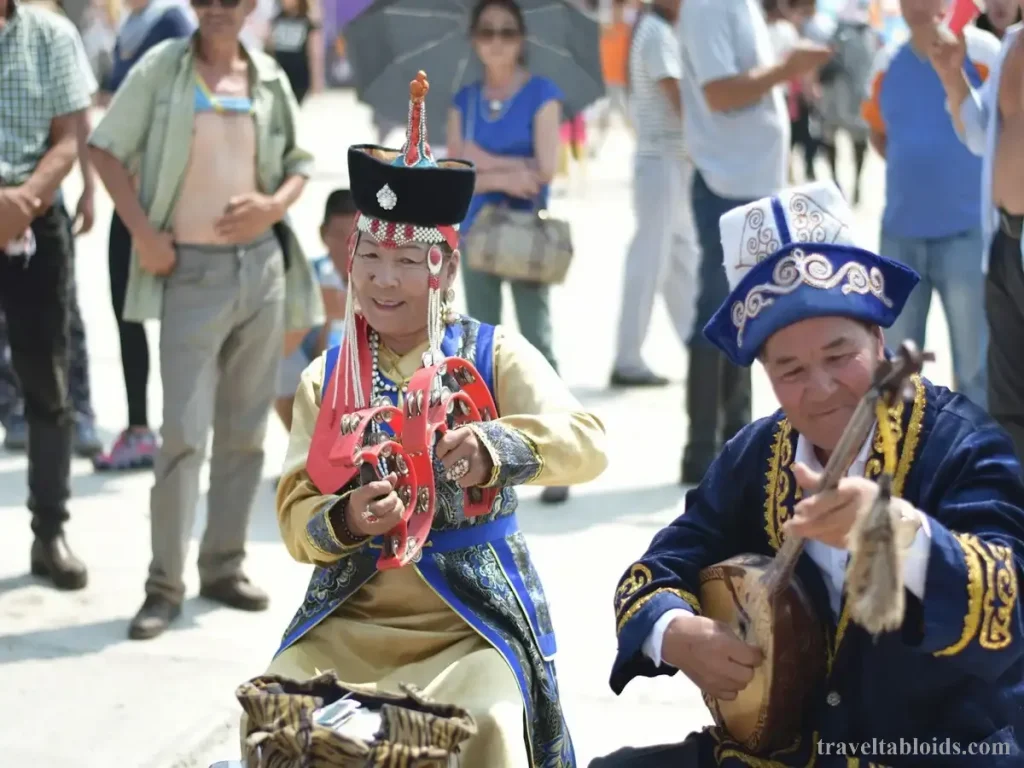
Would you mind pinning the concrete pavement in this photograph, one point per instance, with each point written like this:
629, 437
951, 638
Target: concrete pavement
77, 692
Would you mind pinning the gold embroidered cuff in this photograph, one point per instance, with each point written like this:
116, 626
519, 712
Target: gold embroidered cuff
991, 595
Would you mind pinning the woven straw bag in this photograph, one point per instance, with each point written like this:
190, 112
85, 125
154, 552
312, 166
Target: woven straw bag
516, 244
519, 245
281, 731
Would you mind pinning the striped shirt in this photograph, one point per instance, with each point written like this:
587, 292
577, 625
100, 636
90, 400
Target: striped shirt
654, 56
41, 78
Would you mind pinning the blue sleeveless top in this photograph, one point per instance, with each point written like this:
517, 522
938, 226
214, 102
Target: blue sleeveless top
207, 101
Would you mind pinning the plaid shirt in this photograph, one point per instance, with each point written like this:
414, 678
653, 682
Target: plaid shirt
41, 77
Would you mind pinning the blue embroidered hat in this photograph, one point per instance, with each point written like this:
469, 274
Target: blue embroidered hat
794, 256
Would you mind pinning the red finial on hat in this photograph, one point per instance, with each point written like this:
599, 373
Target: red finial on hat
416, 149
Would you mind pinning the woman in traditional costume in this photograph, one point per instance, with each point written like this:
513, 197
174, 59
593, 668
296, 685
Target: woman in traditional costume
462, 616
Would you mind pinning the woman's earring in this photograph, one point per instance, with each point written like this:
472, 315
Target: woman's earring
448, 313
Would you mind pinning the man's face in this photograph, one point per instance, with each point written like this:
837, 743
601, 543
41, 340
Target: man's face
335, 233
922, 13
820, 369
222, 19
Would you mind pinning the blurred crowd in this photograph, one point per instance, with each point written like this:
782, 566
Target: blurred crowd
726, 101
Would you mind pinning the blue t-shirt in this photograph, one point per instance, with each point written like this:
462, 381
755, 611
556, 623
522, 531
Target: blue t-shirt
510, 134
933, 182
158, 21
326, 275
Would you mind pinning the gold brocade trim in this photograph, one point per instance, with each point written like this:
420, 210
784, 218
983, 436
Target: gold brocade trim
688, 597
781, 489
1000, 596
780, 485
727, 748
777, 489
639, 576
991, 595
975, 585
912, 438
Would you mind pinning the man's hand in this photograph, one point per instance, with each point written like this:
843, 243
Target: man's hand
374, 509
156, 252
85, 212
947, 54
246, 217
710, 654
827, 517
464, 458
18, 208
805, 57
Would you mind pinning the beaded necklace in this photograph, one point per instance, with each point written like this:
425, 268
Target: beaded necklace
380, 385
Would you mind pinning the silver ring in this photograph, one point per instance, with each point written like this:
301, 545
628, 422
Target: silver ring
368, 516
458, 470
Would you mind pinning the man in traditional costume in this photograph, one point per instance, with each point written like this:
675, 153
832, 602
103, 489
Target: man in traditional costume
809, 303
465, 620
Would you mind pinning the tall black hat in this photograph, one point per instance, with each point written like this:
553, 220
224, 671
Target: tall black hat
405, 196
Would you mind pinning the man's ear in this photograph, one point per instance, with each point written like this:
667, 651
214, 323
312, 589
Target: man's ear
879, 335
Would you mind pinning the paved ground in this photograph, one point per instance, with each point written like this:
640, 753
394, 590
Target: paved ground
77, 692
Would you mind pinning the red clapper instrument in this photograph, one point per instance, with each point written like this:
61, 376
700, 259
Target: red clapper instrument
385, 438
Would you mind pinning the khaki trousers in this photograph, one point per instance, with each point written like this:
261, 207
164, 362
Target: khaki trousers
220, 345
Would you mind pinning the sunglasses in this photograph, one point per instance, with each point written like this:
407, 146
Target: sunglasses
506, 34
222, 3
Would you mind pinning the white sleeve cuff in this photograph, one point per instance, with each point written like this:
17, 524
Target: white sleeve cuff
652, 645
915, 565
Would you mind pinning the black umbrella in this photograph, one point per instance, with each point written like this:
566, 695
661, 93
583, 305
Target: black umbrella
394, 39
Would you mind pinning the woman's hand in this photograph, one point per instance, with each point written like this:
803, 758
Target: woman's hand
464, 457
522, 183
374, 508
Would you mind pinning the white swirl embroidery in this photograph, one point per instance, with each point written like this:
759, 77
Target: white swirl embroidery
810, 223
815, 270
758, 242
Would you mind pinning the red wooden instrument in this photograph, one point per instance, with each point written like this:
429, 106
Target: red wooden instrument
384, 438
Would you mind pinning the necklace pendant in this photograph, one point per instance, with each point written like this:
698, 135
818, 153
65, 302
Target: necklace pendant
495, 105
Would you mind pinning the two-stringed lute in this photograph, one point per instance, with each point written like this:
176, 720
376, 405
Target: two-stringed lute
763, 601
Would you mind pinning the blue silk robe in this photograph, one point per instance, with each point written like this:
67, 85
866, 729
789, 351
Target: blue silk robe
954, 671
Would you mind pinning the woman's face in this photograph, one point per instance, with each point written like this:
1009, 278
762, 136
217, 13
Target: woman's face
391, 285
497, 38
1002, 13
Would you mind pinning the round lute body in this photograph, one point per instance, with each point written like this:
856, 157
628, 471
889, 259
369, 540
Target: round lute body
763, 602
785, 627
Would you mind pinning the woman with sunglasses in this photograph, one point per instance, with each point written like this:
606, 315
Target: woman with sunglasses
509, 126
462, 613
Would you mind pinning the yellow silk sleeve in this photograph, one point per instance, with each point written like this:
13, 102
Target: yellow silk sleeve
543, 435
303, 513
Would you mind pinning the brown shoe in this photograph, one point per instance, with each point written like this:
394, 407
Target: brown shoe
153, 618
236, 592
53, 559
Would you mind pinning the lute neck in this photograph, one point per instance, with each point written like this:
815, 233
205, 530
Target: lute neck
845, 453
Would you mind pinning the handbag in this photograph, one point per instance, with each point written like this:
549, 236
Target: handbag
319, 723
517, 244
